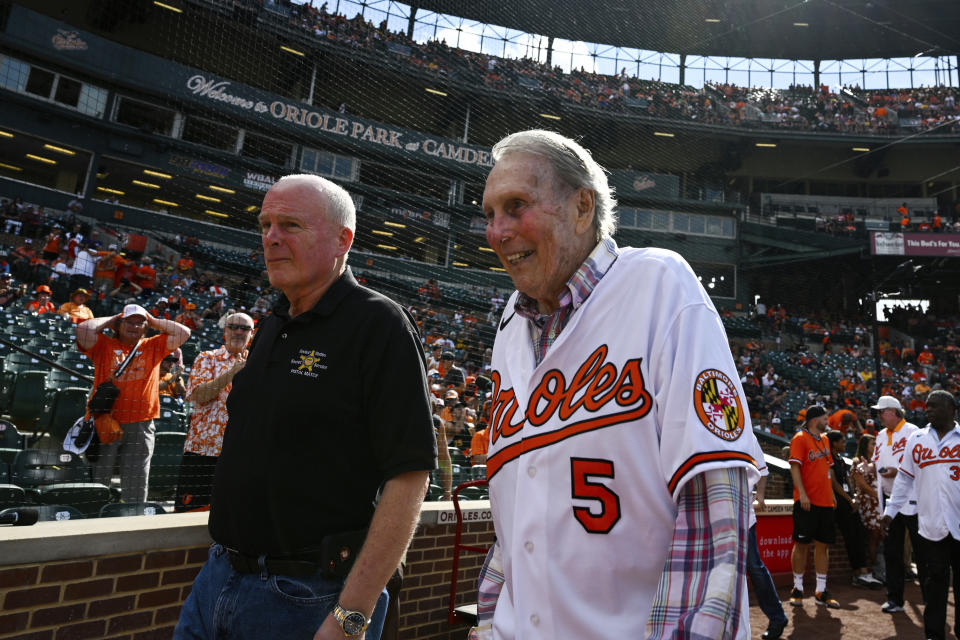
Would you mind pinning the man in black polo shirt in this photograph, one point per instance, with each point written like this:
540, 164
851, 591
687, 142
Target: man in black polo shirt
331, 407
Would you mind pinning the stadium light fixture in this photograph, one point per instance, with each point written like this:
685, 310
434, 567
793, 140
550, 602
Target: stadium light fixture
166, 202
436, 92
157, 174
66, 152
220, 189
41, 159
801, 24
664, 134
498, 269
168, 7
5, 134
293, 51
215, 213
115, 192
395, 225
251, 208
419, 239
550, 116
766, 145
863, 149
460, 264
11, 167
148, 185
485, 249
388, 247
381, 232
712, 20
208, 198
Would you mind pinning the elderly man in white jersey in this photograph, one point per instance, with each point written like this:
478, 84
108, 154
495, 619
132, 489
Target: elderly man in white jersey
887, 456
931, 471
620, 444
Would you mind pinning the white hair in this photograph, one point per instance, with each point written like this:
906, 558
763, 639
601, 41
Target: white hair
336, 202
573, 165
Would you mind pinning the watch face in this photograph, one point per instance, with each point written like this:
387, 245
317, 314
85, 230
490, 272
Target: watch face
354, 623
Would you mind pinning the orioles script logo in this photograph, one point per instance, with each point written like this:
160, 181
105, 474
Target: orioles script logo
923, 456
899, 446
595, 384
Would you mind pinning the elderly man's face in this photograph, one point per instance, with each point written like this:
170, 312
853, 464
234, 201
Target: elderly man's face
132, 328
237, 333
540, 229
300, 243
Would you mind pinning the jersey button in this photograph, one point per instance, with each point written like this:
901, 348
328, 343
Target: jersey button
531, 471
535, 620
528, 546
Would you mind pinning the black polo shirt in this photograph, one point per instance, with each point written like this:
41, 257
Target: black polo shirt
330, 405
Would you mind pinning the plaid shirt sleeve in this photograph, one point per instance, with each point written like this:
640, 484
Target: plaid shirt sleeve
701, 588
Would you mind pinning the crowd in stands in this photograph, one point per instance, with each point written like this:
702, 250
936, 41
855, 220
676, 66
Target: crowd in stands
802, 108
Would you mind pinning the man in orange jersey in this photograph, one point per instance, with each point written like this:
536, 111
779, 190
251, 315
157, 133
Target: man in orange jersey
813, 505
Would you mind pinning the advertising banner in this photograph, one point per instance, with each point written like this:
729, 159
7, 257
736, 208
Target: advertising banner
941, 245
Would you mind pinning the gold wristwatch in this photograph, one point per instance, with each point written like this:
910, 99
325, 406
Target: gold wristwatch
353, 622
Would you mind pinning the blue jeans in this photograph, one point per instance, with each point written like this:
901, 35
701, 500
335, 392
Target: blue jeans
762, 583
227, 605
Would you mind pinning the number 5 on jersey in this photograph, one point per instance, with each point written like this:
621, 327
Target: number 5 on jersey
582, 487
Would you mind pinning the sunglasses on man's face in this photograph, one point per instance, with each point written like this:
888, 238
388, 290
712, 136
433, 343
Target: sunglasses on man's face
239, 327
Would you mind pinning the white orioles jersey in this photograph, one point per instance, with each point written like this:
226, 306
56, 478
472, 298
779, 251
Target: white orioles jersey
888, 453
931, 472
590, 449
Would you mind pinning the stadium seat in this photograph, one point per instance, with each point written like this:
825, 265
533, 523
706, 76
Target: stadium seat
29, 398
58, 379
478, 472
40, 467
11, 495
473, 493
50, 512
170, 423
165, 463
68, 404
9, 436
435, 492
87, 497
116, 509
457, 457
18, 362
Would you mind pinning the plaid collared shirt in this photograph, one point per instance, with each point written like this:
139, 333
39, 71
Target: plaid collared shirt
547, 326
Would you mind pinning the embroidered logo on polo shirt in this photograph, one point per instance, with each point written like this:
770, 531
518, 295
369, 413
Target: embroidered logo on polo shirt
306, 362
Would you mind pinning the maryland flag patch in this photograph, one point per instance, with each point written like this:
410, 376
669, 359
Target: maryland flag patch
718, 404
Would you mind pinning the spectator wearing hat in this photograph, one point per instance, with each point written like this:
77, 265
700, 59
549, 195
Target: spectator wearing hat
171, 379
76, 308
139, 400
189, 316
41, 302
887, 456
813, 505
453, 375
211, 379
161, 309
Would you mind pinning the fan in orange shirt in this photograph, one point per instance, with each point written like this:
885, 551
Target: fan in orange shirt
41, 304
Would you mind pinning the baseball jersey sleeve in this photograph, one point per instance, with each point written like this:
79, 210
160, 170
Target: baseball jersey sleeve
702, 411
903, 483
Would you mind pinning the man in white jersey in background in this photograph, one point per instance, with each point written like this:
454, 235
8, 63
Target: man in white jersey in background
891, 443
931, 471
620, 443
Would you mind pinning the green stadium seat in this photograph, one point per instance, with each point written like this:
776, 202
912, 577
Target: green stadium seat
478, 472
41, 467
87, 497
434, 493
18, 362
457, 457
9, 436
29, 398
165, 463
68, 404
11, 495
118, 509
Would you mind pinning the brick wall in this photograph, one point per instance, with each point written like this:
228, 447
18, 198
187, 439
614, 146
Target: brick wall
131, 596
137, 594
